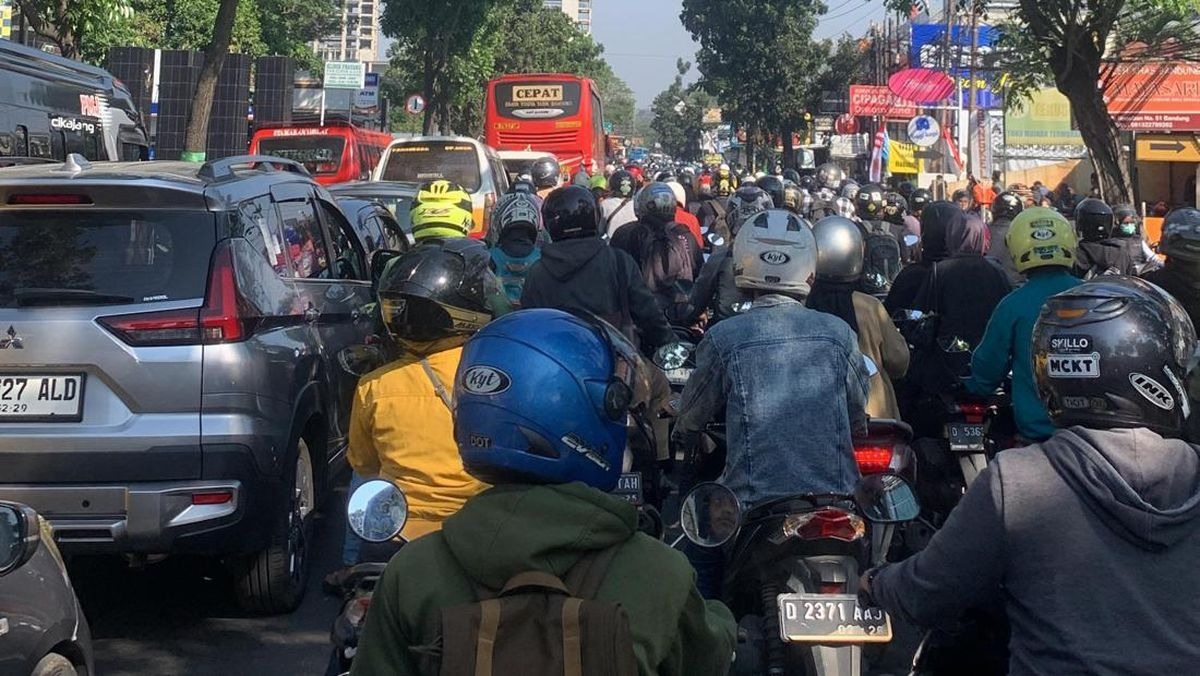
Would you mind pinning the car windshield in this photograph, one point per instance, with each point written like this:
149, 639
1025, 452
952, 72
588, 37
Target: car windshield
429, 161
104, 257
318, 154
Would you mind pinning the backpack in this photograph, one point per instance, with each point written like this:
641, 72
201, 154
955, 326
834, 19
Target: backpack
511, 272
881, 261
541, 624
666, 260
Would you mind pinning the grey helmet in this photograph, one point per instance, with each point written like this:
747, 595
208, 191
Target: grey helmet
1181, 235
839, 249
655, 204
830, 176
747, 201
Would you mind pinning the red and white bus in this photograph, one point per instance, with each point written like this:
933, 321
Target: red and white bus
558, 113
337, 152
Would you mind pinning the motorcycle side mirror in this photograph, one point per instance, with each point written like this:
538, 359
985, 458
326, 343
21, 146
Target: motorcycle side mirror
869, 364
377, 511
359, 360
673, 355
953, 345
911, 240
711, 515
715, 239
379, 262
886, 498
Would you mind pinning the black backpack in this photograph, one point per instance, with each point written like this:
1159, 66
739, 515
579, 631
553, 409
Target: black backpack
668, 267
881, 261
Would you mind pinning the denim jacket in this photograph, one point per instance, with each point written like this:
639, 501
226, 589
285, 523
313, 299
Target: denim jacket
793, 385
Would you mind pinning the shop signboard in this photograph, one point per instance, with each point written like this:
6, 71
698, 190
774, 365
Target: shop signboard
878, 100
1154, 95
929, 43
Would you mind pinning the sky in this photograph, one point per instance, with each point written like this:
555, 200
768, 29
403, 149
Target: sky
642, 38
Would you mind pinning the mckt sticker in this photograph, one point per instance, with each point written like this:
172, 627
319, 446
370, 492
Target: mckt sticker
1073, 365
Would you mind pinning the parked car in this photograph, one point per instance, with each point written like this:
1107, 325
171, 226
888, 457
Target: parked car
465, 161
395, 197
42, 629
168, 374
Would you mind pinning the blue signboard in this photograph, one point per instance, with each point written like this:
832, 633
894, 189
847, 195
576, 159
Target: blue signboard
928, 43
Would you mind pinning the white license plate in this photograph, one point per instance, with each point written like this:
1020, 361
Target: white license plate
831, 618
679, 376
26, 398
966, 436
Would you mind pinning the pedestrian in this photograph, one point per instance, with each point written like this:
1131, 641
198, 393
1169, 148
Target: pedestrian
939, 189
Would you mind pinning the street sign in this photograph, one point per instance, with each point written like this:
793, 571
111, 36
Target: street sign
415, 104
846, 124
1168, 148
345, 74
923, 131
823, 123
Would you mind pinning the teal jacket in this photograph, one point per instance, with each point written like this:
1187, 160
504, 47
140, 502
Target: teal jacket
1008, 344
514, 528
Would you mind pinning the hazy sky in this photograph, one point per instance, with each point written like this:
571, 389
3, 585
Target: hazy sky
642, 38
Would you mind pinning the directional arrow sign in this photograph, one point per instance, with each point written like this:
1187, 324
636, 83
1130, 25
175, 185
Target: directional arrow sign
1173, 147
1168, 148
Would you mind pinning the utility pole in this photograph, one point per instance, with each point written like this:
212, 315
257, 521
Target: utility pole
977, 157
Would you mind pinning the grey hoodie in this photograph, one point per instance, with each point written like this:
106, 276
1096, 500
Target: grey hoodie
1089, 538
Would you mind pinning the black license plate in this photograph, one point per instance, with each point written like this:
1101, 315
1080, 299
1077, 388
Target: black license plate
831, 618
966, 436
629, 487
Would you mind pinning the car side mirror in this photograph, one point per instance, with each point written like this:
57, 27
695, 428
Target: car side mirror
20, 535
886, 498
379, 262
377, 511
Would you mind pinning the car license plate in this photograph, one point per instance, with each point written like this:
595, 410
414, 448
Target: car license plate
831, 618
629, 487
965, 436
679, 376
30, 398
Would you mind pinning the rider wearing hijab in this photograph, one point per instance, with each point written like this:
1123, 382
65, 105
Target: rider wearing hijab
908, 283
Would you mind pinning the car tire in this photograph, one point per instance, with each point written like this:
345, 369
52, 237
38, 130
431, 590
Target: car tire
53, 665
274, 580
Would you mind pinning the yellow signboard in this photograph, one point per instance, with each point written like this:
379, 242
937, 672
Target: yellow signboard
538, 93
5, 19
1168, 148
902, 158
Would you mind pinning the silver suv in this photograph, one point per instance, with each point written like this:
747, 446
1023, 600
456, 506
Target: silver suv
168, 372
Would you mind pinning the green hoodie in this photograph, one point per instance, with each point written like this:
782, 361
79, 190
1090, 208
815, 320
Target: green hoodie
509, 529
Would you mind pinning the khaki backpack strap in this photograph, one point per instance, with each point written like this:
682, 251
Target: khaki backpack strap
489, 624
588, 573
572, 637
534, 578
438, 387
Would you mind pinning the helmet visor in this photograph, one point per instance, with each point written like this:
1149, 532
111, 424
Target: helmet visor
420, 319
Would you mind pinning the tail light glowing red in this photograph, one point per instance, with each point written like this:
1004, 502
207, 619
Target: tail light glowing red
828, 523
873, 459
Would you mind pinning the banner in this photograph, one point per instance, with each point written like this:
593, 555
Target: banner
1043, 120
879, 156
902, 158
872, 100
1153, 96
928, 44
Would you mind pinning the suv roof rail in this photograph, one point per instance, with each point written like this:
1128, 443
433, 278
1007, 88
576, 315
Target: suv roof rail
222, 169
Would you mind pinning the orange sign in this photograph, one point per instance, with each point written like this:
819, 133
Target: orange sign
1153, 96
879, 100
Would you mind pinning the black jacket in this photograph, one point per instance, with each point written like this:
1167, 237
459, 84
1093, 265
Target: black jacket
965, 293
635, 239
714, 289
587, 276
1103, 257
1184, 287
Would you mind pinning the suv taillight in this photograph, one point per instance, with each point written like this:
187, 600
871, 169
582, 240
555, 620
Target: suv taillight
219, 320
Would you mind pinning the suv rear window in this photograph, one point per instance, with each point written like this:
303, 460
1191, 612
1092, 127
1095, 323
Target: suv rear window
318, 154
103, 257
421, 162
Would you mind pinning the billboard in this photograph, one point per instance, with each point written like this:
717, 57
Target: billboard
929, 44
874, 100
1153, 96
1043, 120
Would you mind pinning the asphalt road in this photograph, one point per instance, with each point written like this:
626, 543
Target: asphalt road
179, 616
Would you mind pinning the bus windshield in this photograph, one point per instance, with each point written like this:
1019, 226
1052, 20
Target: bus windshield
431, 160
319, 154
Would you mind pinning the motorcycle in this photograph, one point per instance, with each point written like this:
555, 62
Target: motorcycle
792, 571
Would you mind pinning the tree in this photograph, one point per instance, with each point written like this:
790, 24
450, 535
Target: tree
619, 103
67, 23
289, 26
678, 116
195, 139
1075, 47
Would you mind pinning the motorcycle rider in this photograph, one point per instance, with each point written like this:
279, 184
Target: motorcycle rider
839, 267
903, 226
432, 300
517, 222
617, 209
552, 462
1005, 208
1042, 245
725, 182
1098, 253
715, 289
1075, 535
667, 253
441, 209
881, 261
1128, 231
773, 187
920, 199
828, 183
1180, 277
546, 175
682, 215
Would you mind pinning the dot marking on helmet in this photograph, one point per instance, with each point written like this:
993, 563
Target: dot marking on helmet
773, 257
1152, 390
485, 380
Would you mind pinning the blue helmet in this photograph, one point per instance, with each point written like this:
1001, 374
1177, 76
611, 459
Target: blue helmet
542, 396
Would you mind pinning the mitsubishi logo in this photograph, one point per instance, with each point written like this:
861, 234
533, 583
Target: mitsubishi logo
13, 340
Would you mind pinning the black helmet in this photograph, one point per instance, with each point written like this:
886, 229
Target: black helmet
621, 184
830, 176
435, 296
906, 189
655, 204
1114, 352
522, 185
545, 172
1093, 220
570, 212
895, 207
807, 182
1181, 235
920, 199
1128, 223
868, 203
1007, 205
665, 176
773, 187
791, 175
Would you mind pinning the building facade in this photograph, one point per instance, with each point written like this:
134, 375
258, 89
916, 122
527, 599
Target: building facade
358, 34
580, 12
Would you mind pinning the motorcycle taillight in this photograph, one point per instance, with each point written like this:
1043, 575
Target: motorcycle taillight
972, 411
829, 523
356, 611
873, 459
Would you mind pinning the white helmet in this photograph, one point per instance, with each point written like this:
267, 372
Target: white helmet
775, 251
724, 167
680, 193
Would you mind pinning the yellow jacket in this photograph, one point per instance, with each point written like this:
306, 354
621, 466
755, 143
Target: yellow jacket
400, 429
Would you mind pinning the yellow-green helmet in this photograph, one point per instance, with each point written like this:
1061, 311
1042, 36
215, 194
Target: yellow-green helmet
440, 219
1040, 236
443, 191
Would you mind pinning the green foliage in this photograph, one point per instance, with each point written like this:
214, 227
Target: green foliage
678, 114
68, 24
